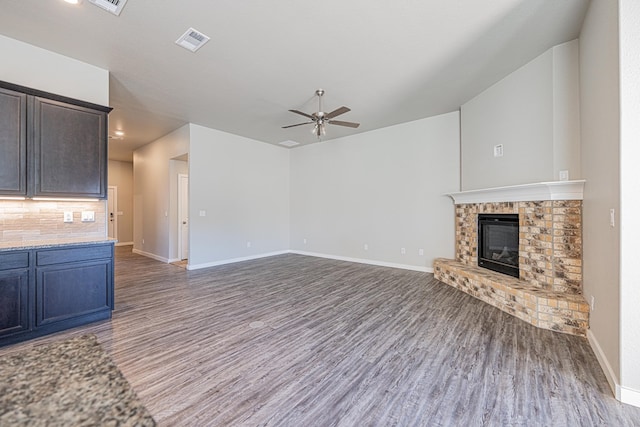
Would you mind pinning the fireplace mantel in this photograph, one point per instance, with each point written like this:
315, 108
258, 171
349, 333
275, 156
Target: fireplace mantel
554, 190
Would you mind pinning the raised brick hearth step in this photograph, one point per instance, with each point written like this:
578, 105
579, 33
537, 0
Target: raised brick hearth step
557, 311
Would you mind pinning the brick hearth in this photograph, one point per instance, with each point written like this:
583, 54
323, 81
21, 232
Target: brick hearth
549, 291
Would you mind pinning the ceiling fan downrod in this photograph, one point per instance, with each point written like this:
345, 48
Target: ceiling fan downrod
319, 93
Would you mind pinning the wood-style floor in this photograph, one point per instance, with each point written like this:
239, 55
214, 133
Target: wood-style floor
300, 341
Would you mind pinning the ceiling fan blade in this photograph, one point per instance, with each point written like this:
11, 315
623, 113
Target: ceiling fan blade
299, 124
303, 114
340, 123
336, 112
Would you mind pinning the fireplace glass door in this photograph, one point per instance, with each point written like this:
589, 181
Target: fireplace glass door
498, 241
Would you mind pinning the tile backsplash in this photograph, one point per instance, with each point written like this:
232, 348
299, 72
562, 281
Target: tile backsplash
33, 221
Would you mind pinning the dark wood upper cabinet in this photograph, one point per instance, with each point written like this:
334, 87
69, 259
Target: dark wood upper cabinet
13, 143
70, 150
50, 145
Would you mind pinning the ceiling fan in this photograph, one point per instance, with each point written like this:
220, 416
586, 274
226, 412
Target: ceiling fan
320, 118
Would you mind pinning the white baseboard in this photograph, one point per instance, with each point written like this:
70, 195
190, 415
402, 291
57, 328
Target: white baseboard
124, 244
232, 260
150, 255
264, 255
366, 261
314, 254
628, 396
623, 394
611, 376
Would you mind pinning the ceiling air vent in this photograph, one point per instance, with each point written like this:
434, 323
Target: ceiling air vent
192, 40
289, 143
112, 6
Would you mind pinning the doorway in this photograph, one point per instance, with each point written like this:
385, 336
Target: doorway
183, 216
112, 212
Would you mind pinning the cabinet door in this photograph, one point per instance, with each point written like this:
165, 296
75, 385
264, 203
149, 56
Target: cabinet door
70, 150
14, 304
13, 143
75, 290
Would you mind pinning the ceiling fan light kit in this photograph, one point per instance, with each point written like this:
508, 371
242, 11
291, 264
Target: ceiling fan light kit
320, 119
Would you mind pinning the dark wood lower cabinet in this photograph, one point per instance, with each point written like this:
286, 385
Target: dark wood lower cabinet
73, 291
57, 289
14, 300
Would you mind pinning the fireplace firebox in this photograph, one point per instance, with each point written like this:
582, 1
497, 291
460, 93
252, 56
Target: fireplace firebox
498, 241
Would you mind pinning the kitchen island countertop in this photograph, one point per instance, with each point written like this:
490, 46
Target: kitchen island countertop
52, 243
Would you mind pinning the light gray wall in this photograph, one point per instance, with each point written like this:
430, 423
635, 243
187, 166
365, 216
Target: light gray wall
566, 109
383, 188
533, 113
121, 176
630, 200
599, 109
242, 185
152, 195
31, 66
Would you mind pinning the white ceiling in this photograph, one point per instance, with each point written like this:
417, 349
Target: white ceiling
389, 61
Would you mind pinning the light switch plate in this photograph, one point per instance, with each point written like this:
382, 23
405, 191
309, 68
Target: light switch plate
612, 217
88, 216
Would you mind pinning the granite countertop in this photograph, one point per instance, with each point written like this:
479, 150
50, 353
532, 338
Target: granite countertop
67, 383
52, 243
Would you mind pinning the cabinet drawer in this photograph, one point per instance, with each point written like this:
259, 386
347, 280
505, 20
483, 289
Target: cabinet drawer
12, 260
83, 253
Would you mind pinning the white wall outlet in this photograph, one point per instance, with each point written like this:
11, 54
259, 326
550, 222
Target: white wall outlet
498, 150
202, 213
612, 217
248, 244
420, 252
403, 251
68, 216
593, 302
563, 175
304, 241
88, 216
366, 247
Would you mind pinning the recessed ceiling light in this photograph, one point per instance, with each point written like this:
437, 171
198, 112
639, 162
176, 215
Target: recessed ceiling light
73, 1
289, 143
192, 40
119, 133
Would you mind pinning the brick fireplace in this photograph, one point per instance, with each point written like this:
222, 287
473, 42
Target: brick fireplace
548, 293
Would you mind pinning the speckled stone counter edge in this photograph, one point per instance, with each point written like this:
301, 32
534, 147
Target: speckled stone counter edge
44, 244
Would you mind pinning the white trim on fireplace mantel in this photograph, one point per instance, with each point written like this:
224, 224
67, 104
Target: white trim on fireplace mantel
554, 190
